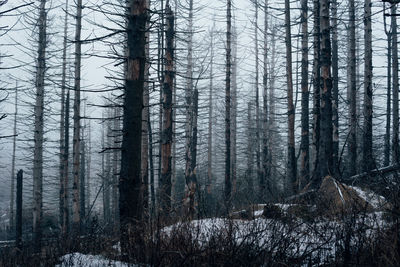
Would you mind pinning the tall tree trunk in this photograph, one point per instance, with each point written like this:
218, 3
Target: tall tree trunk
228, 182
145, 115
12, 223
395, 141
368, 158
291, 167
38, 132
304, 145
131, 188
250, 153
189, 102
82, 174
166, 147
234, 112
272, 110
210, 118
352, 146
388, 93
335, 91
65, 219
88, 169
257, 100
76, 218
62, 119
316, 136
265, 165
18, 228
115, 170
326, 156
192, 185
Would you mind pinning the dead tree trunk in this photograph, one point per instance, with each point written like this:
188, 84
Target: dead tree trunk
388, 93
335, 91
228, 182
131, 189
265, 166
65, 219
291, 167
257, 101
76, 218
210, 118
316, 91
166, 146
234, 113
395, 141
62, 119
189, 103
38, 132
368, 157
12, 223
250, 153
326, 157
304, 145
18, 235
352, 143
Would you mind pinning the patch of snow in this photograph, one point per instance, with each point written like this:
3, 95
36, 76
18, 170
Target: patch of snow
83, 260
372, 198
258, 212
340, 191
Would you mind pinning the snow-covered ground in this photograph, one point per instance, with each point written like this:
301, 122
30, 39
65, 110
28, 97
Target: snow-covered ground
82, 260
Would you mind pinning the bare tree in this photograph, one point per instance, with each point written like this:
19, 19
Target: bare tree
352, 146
38, 132
131, 187
228, 181
368, 159
291, 167
304, 146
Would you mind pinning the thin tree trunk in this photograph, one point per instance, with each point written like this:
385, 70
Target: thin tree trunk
115, 170
12, 223
166, 146
76, 218
65, 219
38, 132
335, 90
368, 157
189, 103
249, 154
291, 167
304, 145
264, 181
62, 121
395, 141
234, 113
228, 182
352, 146
18, 232
388, 93
210, 118
192, 185
272, 110
88, 169
131, 189
257, 101
316, 92
326, 155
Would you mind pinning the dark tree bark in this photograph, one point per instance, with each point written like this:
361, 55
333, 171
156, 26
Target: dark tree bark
291, 162
38, 132
76, 218
388, 93
63, 151
166, 146
335, 91
395, 141
131, 187
352, 143
368, 157
305, 94
12, 222
228, 182
316, 91
18, 236
326, 155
